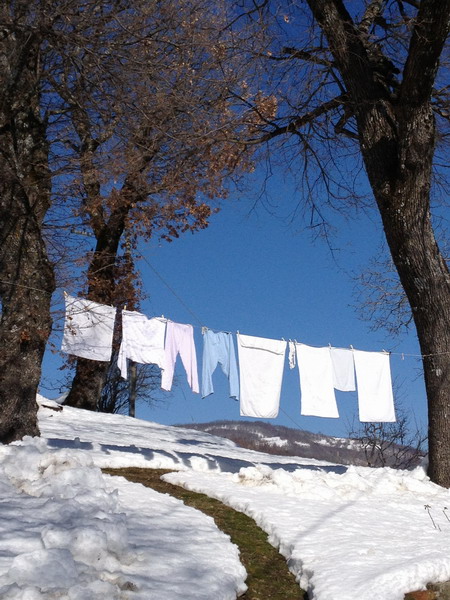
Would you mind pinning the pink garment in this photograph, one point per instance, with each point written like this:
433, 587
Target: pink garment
179, 340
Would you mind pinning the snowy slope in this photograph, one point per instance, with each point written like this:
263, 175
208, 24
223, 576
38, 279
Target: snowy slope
68, 531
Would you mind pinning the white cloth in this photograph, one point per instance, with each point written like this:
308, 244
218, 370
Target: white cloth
343, 369
88, 329
142, 340
316, 381
291, 355
375, 397
261, 363
179, 339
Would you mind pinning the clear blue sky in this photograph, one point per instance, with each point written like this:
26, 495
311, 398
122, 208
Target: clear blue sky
252, 272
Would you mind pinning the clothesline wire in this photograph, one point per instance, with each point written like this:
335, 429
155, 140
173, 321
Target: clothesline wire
289, 417
177, 296
26, 287
200, 324
402, 354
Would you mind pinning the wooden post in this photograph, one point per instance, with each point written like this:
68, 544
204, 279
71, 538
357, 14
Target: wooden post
132, 388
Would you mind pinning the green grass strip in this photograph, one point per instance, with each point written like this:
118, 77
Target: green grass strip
268, 575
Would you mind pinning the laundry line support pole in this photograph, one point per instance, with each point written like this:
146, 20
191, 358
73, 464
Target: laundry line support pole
132, 389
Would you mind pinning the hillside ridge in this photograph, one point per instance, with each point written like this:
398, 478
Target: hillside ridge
285, 441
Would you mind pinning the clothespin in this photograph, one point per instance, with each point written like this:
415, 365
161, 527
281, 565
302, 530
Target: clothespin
204, 330
65, 294
124, 307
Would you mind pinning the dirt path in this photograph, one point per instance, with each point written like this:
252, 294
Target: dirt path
268, 575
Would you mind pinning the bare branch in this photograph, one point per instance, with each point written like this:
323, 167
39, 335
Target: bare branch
292, 53
295, 124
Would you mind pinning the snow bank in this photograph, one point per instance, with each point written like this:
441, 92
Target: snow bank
60, 528
67, 531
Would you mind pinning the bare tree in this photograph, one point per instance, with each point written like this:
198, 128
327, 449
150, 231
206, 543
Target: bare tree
148, 155
395, 445
352, 81
115, 396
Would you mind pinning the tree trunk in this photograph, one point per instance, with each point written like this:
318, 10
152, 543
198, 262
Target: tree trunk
90, 375
398, 153
26, 275
425, 277
397, 138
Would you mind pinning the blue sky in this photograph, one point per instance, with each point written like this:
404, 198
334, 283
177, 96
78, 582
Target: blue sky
257, 273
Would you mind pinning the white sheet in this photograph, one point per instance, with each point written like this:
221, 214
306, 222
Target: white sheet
261, 363
343, 369
316, 382
88, 329
375, 397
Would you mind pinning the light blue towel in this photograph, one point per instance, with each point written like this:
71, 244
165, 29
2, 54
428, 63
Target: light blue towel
219, 348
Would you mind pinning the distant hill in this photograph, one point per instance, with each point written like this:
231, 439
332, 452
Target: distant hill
285, 441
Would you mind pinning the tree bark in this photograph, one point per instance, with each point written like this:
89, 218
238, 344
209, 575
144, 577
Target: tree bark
26, 274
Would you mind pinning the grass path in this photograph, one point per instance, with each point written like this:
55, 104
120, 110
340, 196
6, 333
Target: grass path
268, 575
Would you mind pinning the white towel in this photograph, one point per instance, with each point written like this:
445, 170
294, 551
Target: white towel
261, 363
343, 369
375, 397
142, 340
88, 329
316, 382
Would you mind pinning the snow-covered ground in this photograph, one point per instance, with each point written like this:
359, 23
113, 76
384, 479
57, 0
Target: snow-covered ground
69, 532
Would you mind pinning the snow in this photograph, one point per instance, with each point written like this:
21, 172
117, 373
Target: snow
67, 531
275, 441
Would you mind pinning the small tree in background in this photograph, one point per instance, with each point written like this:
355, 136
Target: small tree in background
396, 445
115, 396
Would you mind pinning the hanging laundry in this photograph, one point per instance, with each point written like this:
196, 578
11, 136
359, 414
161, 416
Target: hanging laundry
218, 348
179, 340
88, 329
142, 340
375, 397
316, 382
292, 360
261, 363
343, 369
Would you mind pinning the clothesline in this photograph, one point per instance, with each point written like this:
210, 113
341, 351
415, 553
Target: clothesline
401, 354
89, 334
204, 328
